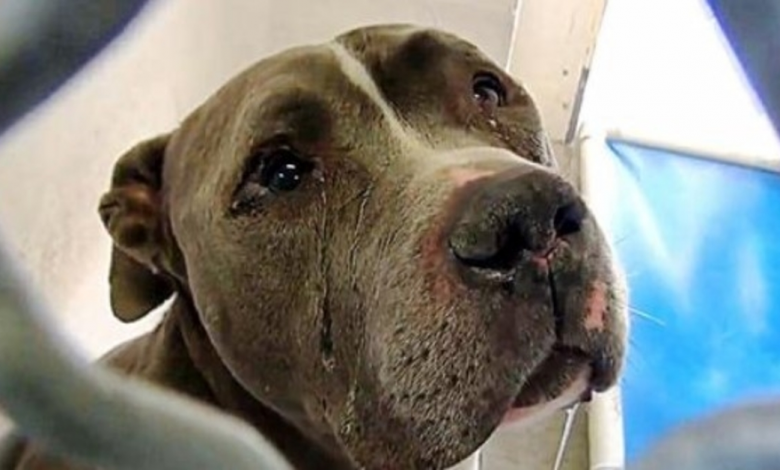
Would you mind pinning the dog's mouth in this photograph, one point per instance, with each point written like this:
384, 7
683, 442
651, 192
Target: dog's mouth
562, 380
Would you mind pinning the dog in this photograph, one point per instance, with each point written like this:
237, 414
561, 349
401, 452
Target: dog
372, 257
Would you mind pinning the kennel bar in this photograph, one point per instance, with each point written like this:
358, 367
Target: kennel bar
130, 424
752, 27
44, 42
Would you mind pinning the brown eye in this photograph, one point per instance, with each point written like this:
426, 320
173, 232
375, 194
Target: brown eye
283, 170
488, 91
270, 172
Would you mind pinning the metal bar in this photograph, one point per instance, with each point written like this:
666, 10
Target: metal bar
56, 398
44, 42
637, 139
606, 445
753, 29
568, 424
746, 437
111, 422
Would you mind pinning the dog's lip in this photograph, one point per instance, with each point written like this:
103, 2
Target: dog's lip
550, 378
576, 392
563, 379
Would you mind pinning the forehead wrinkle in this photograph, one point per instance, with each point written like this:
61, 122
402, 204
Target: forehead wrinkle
425, 150
289, 97
359, 76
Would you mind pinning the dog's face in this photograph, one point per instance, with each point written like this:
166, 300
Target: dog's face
377, 244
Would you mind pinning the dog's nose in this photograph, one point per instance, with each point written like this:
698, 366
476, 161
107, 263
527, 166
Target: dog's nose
507, 216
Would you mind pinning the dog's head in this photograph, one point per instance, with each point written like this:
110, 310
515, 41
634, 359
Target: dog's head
377, 243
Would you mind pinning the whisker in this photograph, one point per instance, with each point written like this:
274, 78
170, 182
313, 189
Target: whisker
646, 316
621, 239
634, 363
432, 11
634, 273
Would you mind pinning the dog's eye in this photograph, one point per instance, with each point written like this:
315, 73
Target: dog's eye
283, 170
488, 91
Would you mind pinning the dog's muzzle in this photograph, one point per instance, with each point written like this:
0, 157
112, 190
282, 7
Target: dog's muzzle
530, 223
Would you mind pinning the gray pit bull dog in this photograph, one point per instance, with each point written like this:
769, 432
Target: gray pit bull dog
373, 259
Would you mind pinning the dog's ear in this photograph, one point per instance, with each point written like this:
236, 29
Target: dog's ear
132, 213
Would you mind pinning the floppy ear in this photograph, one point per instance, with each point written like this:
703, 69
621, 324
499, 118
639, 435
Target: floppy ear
132, 213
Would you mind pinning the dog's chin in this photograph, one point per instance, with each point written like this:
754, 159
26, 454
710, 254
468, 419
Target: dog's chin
559, 383
521, 416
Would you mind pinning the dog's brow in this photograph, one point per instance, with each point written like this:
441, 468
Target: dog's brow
357, 73
297, 109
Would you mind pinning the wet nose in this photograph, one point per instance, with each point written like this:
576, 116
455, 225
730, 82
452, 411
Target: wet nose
509, 216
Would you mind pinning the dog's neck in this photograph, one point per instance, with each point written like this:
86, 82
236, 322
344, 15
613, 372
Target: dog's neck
199, 371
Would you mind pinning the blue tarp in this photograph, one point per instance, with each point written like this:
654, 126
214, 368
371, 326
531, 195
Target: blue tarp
699, 241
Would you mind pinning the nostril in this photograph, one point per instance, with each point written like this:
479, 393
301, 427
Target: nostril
501, 254
506, 222
568, 219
